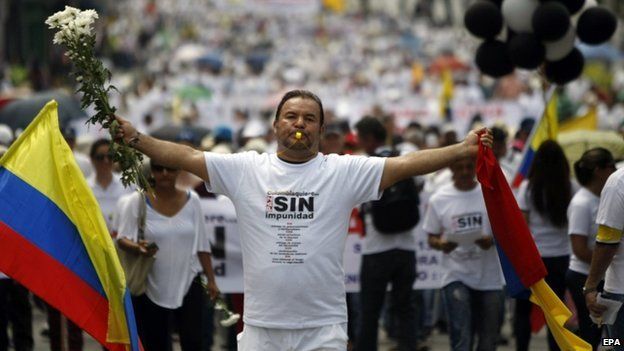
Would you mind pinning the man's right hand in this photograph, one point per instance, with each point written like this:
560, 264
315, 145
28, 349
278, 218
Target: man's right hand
126, 130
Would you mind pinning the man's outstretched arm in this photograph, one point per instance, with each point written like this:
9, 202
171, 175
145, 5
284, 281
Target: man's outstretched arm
427, 161
163, 152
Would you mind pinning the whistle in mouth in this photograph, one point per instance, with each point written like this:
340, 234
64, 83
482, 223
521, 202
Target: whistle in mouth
298, 135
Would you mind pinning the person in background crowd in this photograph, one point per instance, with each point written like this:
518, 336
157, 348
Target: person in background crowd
526, 125
500, 150
608, 255
288, 308
544, 200
174, 227
82, 160
385, 259
333, 140
106, 186
592, 171
472, 282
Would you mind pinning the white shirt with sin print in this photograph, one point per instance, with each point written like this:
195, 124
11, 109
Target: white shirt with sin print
454, 211
293, 221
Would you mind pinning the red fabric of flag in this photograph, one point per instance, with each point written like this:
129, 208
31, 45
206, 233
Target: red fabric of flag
508, 225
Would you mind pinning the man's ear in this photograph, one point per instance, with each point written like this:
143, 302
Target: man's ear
275, 126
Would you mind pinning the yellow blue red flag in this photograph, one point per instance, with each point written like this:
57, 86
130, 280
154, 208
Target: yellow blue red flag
546, 129
53, 238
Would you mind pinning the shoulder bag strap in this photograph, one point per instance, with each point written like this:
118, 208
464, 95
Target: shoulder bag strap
141, 219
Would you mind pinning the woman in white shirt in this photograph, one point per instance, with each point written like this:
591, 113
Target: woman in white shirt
175, 234
592, 171
544, 200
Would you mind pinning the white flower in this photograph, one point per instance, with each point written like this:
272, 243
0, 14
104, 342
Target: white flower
83, 21
230, 321
62, 18
91, 14
58, 38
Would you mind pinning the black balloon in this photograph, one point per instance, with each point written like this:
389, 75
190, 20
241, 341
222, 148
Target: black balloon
498, 3
573, 6
551, 21
526, 51
565, 70
484, 19
492, 59
596, 25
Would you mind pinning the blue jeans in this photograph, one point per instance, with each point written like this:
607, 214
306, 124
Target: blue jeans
616, 330
472, 312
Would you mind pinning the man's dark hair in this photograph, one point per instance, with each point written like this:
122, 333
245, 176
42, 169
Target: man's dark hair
499, 134
304, 94
373, 127
96, 144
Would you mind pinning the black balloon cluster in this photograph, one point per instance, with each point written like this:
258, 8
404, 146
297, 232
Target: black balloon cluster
539, 33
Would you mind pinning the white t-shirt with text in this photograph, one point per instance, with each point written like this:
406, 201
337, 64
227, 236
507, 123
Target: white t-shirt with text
452, 211
611, 214
293, 221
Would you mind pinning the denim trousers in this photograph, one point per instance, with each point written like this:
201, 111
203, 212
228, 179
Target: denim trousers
616, 330
472, 313
377, 271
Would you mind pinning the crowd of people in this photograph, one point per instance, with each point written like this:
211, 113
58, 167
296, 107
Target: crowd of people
222, 80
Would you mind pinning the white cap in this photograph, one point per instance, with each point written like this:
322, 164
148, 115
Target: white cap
6, 135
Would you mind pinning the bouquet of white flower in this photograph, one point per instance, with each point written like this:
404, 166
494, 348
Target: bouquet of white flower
75, 32
230, 318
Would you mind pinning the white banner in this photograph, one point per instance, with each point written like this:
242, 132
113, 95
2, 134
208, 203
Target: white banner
227, 259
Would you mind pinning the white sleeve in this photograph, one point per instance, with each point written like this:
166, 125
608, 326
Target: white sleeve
521, 197
226, 171
611, 210
202, 241
432, 223
364, 177
128, 218
579, 219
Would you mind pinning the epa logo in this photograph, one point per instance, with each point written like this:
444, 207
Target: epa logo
611, 342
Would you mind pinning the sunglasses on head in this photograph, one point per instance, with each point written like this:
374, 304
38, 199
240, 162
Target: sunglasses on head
102, 157
159, 168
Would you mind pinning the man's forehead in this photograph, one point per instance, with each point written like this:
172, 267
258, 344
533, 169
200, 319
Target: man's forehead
299, 104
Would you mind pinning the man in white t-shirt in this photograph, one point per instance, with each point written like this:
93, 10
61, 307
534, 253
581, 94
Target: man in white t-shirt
608, 255
293, 213
472, 283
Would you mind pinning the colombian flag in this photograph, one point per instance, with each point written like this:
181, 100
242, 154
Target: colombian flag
546, 129
520, 260
53, 238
